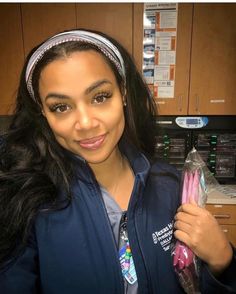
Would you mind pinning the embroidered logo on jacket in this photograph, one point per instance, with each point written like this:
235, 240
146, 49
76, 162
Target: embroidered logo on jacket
164, 236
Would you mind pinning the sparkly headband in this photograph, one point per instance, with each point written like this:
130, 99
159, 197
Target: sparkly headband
103, 44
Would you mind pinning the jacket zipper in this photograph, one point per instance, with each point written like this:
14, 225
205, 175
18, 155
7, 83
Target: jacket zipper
135, 209
97, 190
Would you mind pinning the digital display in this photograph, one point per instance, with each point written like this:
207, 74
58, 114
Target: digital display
192, 121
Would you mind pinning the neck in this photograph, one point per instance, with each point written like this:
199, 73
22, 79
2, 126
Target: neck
116, 176
108, 171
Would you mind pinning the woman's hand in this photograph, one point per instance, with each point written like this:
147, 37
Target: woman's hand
200, 231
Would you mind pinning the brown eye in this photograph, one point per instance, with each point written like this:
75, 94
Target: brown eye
101, 98
60, 108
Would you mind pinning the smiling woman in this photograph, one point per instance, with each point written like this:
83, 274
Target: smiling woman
85, 118
81, 194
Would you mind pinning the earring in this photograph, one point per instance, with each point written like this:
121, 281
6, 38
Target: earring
124, 98
124, 101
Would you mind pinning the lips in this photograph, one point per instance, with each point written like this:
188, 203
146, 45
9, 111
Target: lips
92, 143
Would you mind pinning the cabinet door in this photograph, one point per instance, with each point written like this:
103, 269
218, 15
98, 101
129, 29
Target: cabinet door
12, 55
115, 19
179, 104
213, 59
225, 214
138, 33
43, 20
230, 231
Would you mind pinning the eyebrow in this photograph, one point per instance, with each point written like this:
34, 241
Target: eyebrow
92, 87
97, 84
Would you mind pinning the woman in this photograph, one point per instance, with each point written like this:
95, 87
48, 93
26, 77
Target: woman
81, 197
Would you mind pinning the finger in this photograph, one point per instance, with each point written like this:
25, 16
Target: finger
190, 208
183, 226
182, 236
185, 217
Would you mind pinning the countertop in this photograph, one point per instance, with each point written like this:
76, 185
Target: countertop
223, 195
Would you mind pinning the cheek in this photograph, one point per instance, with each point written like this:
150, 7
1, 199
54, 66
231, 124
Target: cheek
60, 128
117, 121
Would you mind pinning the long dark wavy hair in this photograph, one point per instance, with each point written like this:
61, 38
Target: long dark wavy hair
33, 167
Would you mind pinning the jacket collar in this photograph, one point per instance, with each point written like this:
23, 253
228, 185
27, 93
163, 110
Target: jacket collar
137, 160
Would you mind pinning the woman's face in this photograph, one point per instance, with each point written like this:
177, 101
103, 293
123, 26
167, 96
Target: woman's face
83, 105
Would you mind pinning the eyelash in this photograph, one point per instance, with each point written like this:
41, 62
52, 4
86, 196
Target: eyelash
56, 107
105, 95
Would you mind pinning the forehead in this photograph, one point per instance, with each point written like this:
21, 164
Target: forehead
73, 73
81, 59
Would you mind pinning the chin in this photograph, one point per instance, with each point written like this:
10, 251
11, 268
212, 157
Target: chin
96, 158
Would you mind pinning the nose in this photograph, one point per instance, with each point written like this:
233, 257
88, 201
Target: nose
85, 119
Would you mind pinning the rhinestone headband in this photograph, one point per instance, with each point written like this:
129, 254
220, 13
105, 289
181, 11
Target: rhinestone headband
103, 44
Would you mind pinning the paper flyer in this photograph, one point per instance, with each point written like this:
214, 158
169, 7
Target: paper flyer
159, 48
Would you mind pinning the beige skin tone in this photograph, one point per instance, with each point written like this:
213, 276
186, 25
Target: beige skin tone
199, 230
81, 100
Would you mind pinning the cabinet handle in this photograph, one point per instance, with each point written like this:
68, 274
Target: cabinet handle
196, 103
221, 215
180, 103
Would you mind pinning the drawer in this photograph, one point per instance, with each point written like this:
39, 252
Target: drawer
224, 213
230, 231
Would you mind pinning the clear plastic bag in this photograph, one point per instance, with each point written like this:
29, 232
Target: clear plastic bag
197, 183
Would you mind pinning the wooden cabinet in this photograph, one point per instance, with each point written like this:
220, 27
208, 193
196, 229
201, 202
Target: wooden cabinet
205, 53
205, 60
114, 19
25, 25
226, 216
179, 104
39, 21
12, 55
213, 59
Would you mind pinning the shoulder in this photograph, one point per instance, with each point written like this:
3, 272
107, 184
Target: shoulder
161, 168
162, 189
164, 183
